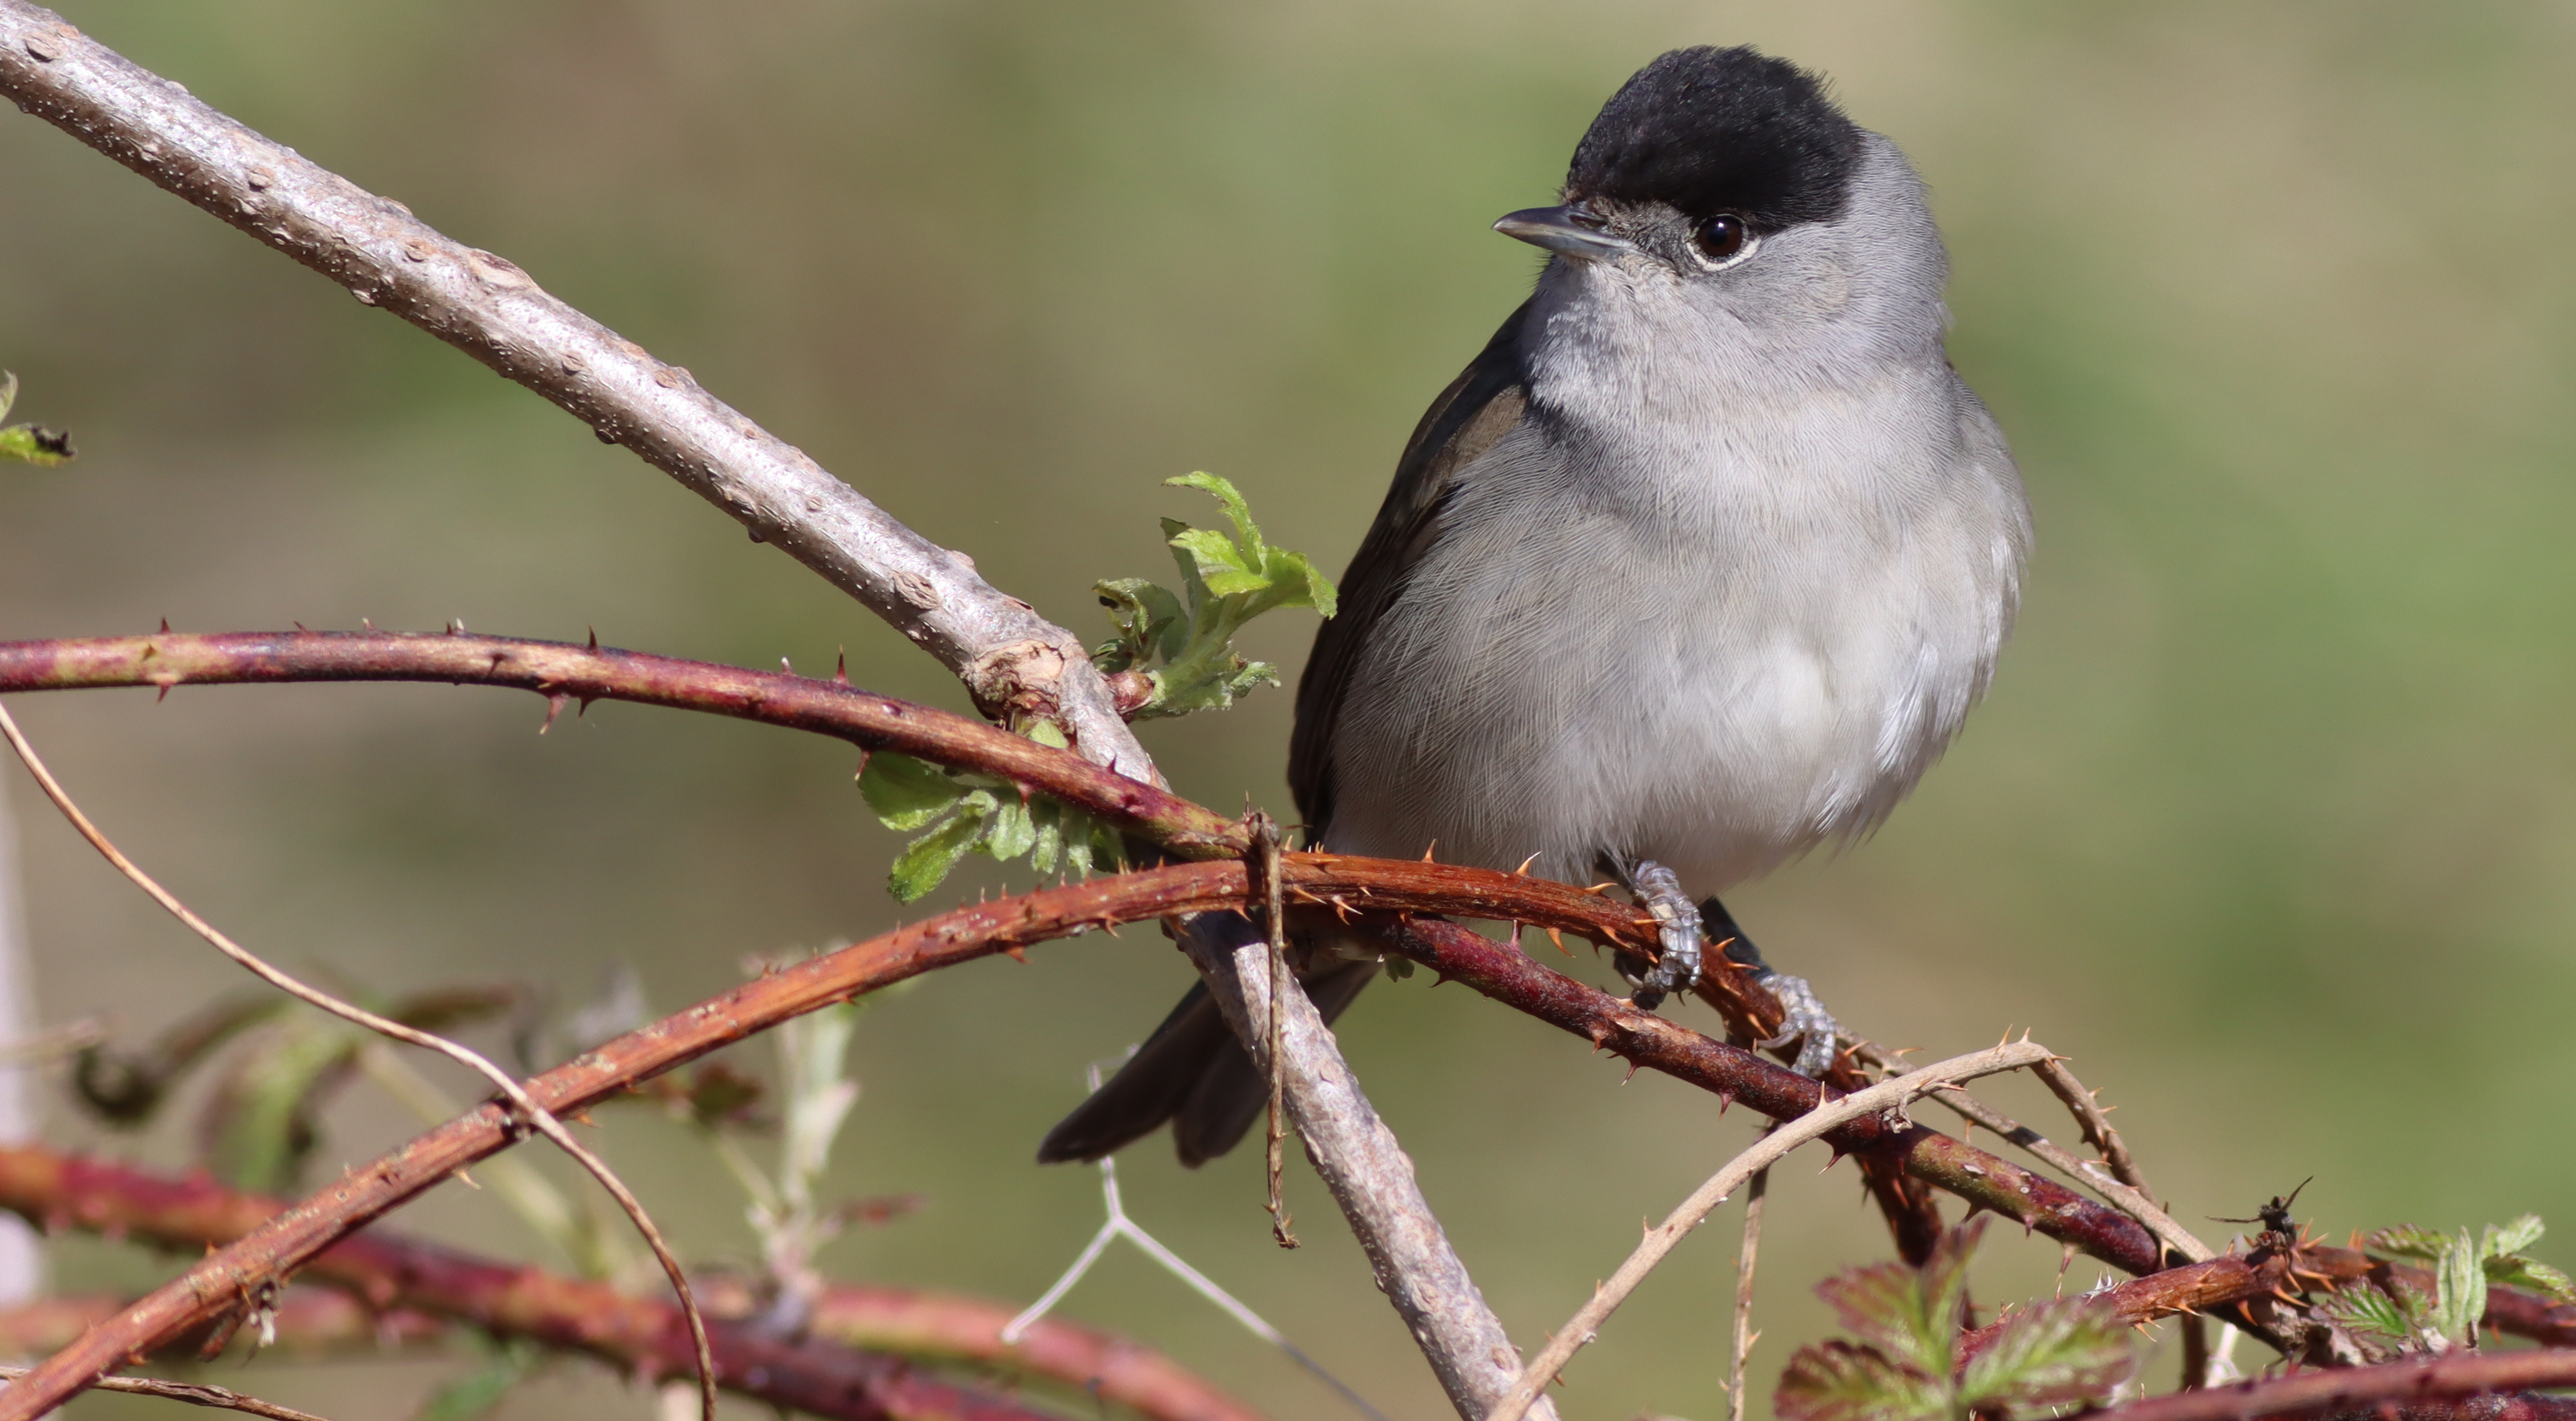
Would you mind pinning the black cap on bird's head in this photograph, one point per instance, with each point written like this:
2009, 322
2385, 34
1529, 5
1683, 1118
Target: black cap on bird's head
1740, 144
1707, 130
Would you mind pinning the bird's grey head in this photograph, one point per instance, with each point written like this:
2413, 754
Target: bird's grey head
1721, 200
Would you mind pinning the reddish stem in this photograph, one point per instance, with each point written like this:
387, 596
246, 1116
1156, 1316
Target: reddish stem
2401, 1386
406, 1285
567, 673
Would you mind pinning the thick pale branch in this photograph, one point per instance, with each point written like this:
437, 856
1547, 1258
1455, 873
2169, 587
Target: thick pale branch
1360, 1161
1013, 660
405, 1286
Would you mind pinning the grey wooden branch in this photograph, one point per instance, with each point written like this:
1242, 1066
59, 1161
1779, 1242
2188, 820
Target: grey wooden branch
1010, 658
1367, 1171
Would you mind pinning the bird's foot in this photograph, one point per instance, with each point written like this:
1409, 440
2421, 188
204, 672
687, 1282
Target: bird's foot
1806, 1022
1678, 917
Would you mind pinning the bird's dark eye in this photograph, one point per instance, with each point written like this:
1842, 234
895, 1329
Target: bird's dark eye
1720, 237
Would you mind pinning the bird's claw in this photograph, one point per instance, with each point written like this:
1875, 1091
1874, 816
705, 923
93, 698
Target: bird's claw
1806, 1022
1677, 918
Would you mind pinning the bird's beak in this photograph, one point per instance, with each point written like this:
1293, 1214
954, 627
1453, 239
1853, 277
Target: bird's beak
1567, 231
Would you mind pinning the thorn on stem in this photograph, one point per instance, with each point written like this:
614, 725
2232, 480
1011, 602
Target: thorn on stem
554, 707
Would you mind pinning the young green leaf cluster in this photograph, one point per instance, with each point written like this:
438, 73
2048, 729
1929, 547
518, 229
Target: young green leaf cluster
1184, 644
957, 814
1901, 1362
2390, 1316
29, 443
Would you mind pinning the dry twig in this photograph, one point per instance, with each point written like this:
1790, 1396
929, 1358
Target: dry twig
2095, 1124
1756, 1190
1117, 1225
1660, 1240
1273, 895
193, 1393
2128, 1196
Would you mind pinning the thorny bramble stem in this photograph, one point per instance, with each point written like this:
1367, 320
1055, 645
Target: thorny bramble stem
391, 1289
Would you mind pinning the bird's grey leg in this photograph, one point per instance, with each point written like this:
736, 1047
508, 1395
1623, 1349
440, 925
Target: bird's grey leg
1678, 967
1806, 1021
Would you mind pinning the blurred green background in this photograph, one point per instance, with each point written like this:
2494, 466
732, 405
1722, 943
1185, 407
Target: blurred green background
2268, 823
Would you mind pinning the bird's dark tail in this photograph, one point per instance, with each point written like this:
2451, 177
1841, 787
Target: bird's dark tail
1193, 1073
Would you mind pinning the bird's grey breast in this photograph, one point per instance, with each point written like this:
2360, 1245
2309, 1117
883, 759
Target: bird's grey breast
1714, 637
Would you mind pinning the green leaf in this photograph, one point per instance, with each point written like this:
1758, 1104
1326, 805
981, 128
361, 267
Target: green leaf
477, 1392
2062, 1353
1014, 832
2523, 1272
907, 793
1844, 1381
1310, 587
2460, 1280
925, 862
1046, 817
1221, 565
2360, 1307
1254, 553
1184, 643
2515, 1237
1152, 624
2407, 1241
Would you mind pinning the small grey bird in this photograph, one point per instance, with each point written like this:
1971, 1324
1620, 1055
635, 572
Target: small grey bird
1697, 567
